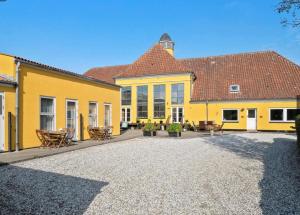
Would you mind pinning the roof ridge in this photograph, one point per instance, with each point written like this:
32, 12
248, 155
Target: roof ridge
111, 66
229, 55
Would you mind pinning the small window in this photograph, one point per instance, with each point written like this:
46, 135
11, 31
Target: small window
93, 114
230, 115
47, 114
276, 115
234, 88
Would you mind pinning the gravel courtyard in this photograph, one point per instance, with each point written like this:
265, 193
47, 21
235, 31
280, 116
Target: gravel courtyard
238, 173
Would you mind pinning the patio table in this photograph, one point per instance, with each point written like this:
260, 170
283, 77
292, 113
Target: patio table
54, 138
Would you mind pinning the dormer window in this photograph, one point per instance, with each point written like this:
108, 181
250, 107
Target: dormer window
234, 88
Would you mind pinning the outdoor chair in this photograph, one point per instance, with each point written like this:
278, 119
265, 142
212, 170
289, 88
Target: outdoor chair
70, 132
40, 135
195, 127
219, 128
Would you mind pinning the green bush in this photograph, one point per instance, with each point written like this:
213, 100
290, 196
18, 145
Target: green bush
174, 127
149, 126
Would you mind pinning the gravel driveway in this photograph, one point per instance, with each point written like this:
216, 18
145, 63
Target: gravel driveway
257, 173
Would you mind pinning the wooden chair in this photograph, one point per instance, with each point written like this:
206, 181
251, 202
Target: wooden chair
70, 132
219, 128
40, 135
54, 139
195, 127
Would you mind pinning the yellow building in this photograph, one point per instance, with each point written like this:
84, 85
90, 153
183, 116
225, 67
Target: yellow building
38, 96
249, 91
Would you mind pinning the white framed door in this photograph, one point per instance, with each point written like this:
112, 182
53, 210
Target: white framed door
107, 115
177, 114
2, 122
72, 116
251, 119
126, 114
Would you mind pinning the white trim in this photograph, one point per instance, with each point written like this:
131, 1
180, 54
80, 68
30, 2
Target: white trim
54, 110
247, 121
97, 112
177, 114
232, 90
151, 76
284, 114
2, 148
233, 121
110, 114
244, 101
76, 116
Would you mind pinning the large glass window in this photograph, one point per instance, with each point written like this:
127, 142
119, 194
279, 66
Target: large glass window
93, 114
142, 101
177, 93
126, 96
159, 101
276, 115
47, 114
231, 115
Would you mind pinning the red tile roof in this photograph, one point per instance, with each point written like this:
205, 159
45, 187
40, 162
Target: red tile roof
261, 75
106, 73
155, 61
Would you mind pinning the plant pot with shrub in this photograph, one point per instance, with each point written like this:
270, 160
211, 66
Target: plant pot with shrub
149, 129
174, 130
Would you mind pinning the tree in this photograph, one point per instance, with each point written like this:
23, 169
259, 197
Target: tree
291, 8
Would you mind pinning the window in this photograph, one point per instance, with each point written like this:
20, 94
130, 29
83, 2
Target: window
93, 114
159, 101
177, 114
47, 114
231, 115
283, 114
142, 101
291, 114
126, 96
276, 114
177, 93
234, 88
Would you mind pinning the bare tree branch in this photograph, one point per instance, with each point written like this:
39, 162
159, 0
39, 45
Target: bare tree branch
291, 8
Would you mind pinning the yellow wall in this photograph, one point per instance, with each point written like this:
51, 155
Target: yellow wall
150, 81
9, 95
36, 82
7, 65
198, 113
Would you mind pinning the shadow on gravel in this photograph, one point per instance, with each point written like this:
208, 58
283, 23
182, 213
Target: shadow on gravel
28, 191
280, 185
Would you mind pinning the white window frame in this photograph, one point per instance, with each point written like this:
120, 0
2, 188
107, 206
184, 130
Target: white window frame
54, 111
234, 85
97, 113
110, 114
238, 115
177, 113
284, 114
3, 113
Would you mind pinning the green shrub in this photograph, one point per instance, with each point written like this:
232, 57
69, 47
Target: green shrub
149, 126
174, 127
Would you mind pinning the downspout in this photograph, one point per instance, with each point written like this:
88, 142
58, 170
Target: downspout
17, 104
206, 112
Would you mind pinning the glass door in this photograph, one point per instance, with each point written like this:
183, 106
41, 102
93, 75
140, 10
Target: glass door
126, 114
177, 114
72, 115
107, 115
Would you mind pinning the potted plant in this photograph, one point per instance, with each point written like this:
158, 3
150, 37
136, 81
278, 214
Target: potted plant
149, 129
186, 125
174, 130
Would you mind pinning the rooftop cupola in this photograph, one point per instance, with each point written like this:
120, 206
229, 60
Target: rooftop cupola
166, 42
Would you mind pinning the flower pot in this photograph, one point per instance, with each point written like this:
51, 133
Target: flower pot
149, 133
174, 134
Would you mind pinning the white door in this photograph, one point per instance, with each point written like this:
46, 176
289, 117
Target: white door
72, 116
126, 115
251, 119
177, 114
107, 115
2, 113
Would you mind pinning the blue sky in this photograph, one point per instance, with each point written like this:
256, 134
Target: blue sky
77, 35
